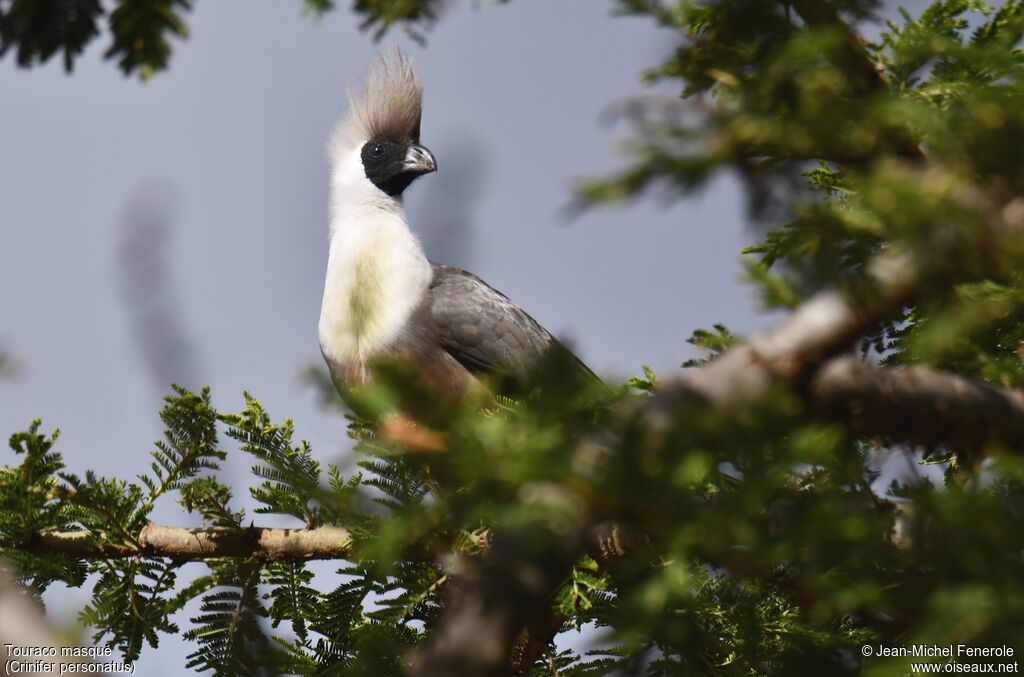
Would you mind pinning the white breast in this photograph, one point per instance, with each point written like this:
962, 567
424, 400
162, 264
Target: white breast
376, 275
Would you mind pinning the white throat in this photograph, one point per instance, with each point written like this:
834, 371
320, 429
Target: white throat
376, 270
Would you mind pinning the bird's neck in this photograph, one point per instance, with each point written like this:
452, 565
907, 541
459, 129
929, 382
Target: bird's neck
376, 276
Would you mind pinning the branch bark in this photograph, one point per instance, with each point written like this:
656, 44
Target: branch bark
201, 543
824, 326
917, 405
498, 594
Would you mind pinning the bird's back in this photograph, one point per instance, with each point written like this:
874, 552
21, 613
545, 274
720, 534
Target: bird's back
481, 328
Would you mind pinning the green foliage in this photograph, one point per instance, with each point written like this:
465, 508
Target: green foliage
293, 599
41, 29
291, 475
850, 149
381, 15
141, 31
189, 446
212, 500
647, 383
132, 604
714, 342
28, 505
228, 632
587, 596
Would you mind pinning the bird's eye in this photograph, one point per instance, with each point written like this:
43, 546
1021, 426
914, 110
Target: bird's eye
376, 150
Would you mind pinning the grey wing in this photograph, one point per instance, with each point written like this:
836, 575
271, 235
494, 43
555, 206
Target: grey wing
480, 327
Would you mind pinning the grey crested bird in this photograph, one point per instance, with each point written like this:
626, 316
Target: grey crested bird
382, 298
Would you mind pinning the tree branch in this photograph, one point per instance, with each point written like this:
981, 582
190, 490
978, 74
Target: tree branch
824, 326
917, 405
200, 543
498, 594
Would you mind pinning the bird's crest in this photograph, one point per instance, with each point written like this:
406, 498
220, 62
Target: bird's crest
391, 102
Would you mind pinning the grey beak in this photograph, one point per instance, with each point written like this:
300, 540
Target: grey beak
420, 160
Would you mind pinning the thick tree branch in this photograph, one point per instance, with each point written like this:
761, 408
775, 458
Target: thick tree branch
498, 594
535, 640
824, 326
201, 543
917, 405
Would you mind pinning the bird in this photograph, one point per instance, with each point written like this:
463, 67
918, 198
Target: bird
383, 299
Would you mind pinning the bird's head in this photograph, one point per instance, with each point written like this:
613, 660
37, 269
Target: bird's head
378, 141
